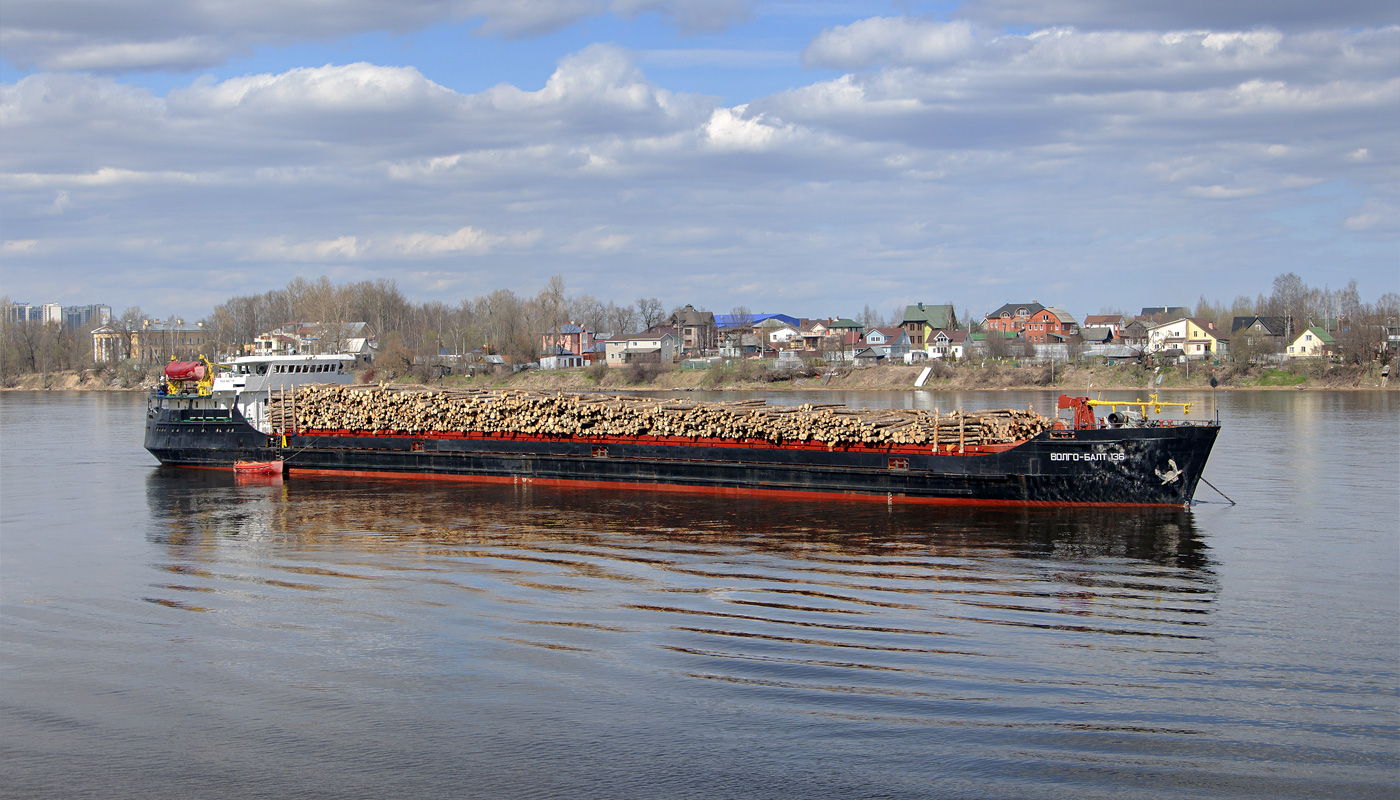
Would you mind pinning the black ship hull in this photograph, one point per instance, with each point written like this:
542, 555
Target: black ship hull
1147, 465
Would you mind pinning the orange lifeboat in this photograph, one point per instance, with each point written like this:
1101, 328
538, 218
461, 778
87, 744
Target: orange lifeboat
258, 467
185, 371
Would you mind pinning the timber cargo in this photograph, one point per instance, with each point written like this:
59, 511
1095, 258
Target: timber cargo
302, 412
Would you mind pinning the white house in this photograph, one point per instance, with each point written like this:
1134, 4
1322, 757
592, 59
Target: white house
946, 344
650, 346
784, 335
561, 360
1195, 338
1312, 343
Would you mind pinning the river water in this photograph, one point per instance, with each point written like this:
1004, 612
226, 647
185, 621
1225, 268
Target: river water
175, 633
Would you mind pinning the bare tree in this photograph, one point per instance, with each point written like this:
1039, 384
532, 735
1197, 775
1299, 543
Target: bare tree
621, 319
1289, 300
380, 304
651, 312
128, 327
552, 303
870, 318
588, 311
974, 325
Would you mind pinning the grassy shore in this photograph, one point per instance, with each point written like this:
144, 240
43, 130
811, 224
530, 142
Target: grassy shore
971, 376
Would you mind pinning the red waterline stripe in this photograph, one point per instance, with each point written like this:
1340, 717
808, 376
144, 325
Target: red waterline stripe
864, 497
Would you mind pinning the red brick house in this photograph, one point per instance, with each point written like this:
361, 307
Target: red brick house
1012, 317
1050, 326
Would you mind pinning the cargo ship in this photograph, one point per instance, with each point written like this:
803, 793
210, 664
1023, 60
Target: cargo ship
218, 416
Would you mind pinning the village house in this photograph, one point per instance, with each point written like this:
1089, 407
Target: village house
957, 344
1194, 338
1114, 322
1312, 343
313, 338
813, 332
885, 343
598, 352
946, 344
823, 338
1096, 335
777, 335
1262, 333
1050, 326
845, 334
566, 339
751, 321
739, 343
1011, 318
655, 346
1133, 334
1154, 314
561, 359
695, 330
920, 322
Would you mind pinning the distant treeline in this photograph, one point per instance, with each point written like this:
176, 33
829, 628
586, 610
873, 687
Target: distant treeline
509, 324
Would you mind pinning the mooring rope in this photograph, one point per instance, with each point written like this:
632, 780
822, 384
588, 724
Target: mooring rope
1217, 491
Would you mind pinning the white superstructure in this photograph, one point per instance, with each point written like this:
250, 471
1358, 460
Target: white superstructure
249, 380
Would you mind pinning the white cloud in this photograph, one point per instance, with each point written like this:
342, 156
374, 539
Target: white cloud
599, 240
60, 203
106, 176
418, 245
1377, 216
352, 88
890, 40
1220, 192
15, 247
728, 129
278, 249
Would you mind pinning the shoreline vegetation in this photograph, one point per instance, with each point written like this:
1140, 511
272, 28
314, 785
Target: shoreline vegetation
969, 376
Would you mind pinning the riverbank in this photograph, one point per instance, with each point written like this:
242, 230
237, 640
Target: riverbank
751, 377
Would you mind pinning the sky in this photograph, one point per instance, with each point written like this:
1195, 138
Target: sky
806, 158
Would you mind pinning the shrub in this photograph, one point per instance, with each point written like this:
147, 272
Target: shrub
130, 373
717, 376
642, 371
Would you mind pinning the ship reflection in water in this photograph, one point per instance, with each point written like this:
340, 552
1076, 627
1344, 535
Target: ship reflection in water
835, 608
204, 506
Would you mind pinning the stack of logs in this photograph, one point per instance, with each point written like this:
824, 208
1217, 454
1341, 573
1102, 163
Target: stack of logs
422, 410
